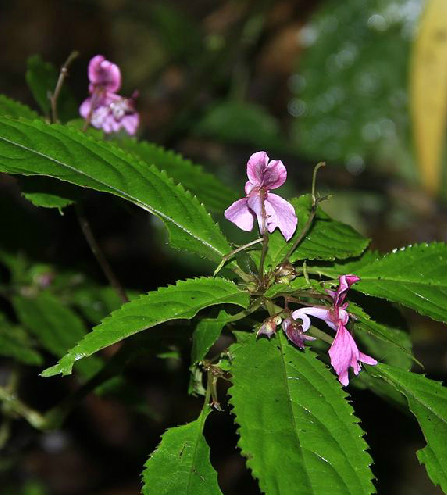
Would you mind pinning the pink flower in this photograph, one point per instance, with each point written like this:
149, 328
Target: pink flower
343, 351
105, 109
270, 210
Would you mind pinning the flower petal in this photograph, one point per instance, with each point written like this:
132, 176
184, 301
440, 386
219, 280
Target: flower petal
304, 313
344, 354
281, 214
103, 73
240, 214
130, 123
275, 174
85, 108
255, 167
345, 282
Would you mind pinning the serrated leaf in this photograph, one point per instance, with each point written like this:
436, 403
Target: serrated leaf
181, 301
181, 463
427, 400
214, 194
34, 148
327, 239
42, 78
297, 429
55, 326
206, 333
15, 343
15, 110
295, 285
413, 276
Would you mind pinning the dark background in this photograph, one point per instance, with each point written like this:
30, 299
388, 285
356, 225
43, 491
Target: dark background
305, 80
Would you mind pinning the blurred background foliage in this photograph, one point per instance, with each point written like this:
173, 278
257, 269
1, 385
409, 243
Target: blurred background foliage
307, 81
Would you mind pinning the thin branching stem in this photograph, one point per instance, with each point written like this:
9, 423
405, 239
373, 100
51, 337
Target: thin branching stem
60, 82
99, 255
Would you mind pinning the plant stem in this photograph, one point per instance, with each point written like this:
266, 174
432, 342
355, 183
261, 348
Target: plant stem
16, 406
60, 82
99, 255
313, 212
234, 252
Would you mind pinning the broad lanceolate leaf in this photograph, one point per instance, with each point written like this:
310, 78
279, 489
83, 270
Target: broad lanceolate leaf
414, 276
428, 402
297, 429
34, 148
327, 239
206, 333
208, 189
181, 301
15, 343
15, 110
181, 463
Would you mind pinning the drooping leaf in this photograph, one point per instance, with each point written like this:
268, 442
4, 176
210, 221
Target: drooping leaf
15, 110
48, 193
181, 301
15, 343
181, 463
208, 189
427, 400
297, 429
42, 78
327, 239
206, 333
34, 148
428, 95
413, 276
54, 325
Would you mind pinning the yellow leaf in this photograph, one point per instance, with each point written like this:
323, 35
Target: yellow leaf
429, 91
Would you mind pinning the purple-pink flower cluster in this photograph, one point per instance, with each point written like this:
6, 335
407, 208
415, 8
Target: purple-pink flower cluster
105, 109
343, 353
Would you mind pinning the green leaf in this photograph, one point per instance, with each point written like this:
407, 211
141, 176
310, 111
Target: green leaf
181, 301
208, 189
206, 333
48, 193
428, 402
15, 343
181, 463
327, 239
241, 122
34, 148
42, 78
56, 327
297, 429
298, 284
386, 343
413, 276
15, 110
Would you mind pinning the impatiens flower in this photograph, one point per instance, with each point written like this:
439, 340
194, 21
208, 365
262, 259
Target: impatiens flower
105, 109
269, 209
343, 352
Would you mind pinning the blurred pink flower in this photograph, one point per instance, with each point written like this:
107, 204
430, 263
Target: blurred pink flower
263, 176
343, 351
105, 109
